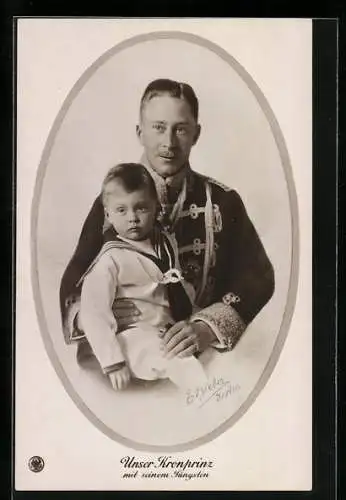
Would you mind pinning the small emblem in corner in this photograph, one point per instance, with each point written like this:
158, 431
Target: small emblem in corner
36, 463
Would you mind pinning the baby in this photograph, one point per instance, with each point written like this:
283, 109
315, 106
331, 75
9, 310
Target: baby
138, 261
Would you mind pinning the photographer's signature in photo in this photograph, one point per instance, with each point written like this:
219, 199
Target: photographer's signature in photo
218, 390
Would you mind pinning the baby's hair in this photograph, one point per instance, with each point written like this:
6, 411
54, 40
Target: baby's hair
132, 177
180, 90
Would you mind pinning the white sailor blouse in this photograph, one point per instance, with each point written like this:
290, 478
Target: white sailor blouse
220, 255
123, 270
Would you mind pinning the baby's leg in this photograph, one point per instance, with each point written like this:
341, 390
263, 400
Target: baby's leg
141, 347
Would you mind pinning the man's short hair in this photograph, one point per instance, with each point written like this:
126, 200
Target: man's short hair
132, 177
180, 90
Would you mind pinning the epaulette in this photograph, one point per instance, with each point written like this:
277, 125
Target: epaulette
216, 183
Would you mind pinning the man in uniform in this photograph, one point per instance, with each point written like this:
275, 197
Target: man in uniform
220, 252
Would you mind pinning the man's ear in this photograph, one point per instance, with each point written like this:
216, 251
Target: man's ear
139, 133
197, 133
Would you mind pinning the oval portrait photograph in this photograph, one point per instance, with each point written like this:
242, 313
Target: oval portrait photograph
164, 242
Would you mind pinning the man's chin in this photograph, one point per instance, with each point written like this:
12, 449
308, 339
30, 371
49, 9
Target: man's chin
167, 168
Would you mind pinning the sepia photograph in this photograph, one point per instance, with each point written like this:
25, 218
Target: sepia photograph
164, 242
163, 254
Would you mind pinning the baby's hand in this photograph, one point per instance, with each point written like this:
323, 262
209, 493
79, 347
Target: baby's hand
120, 378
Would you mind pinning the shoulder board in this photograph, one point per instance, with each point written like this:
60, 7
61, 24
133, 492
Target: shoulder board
217, 183
213, 181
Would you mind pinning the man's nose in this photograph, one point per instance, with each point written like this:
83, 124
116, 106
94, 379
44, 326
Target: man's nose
169, 139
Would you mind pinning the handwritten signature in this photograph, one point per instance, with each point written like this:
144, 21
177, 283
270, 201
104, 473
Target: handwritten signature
218, 389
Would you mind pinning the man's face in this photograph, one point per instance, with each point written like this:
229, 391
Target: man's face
167, 132
131, 214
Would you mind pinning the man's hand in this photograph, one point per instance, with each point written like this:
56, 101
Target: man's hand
185, 339
120, 378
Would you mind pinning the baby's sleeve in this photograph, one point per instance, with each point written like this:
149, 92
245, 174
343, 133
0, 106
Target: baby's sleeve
96, 315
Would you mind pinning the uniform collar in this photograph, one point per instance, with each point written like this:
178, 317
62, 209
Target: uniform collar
173, 183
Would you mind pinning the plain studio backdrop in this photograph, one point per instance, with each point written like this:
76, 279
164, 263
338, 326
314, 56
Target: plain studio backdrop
236, 147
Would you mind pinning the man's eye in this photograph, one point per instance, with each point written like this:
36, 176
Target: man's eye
181, 131
121, 210
159, 127
142, 209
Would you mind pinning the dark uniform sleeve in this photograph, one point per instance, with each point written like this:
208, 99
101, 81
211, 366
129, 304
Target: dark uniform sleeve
244, 275
89, 244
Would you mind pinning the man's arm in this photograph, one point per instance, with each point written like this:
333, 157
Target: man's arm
89, 244
244, 275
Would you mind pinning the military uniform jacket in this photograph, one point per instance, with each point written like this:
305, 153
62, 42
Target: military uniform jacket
220, 254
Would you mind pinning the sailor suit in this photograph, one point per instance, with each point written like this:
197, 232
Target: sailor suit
133, 270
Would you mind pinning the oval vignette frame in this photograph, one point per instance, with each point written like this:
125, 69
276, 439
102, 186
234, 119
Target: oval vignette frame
293, 280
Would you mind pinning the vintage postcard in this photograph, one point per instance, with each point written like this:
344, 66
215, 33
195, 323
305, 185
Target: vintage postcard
163, 277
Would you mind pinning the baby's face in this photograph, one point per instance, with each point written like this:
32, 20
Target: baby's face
131, 214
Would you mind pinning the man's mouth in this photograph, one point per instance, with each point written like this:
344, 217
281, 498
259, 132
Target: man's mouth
168, 155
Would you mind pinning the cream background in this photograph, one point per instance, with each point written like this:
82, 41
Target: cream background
277, 428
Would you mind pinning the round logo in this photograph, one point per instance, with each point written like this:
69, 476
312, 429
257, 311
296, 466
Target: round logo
36, 463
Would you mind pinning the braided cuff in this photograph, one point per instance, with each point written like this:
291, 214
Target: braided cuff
225, 322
